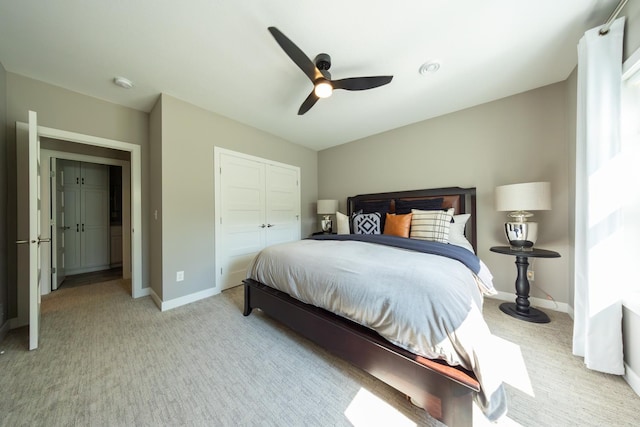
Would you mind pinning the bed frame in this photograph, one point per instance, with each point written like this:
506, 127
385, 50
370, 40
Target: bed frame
446, 392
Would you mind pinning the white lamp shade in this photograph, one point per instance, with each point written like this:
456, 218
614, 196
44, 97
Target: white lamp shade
528, 196
327, 207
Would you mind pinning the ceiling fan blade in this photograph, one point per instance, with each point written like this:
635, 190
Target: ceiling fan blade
308, 103
296, 55
361, 83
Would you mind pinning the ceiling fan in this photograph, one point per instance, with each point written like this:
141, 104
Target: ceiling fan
318, 73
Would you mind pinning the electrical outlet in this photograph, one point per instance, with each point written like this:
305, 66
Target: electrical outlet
530, 275
179, 276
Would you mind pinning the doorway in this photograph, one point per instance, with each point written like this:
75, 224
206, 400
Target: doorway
132, 262
85, 250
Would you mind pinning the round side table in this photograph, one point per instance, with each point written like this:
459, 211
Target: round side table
521, 309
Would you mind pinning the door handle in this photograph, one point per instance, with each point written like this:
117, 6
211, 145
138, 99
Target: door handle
77, 228
262, 226
66, 228
270, 225
40, 240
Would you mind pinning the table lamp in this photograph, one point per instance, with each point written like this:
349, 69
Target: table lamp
327, 208
520, 199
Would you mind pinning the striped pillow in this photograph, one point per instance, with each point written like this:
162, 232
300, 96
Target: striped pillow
431, 225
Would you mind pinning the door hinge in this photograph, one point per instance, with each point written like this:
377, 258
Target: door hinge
53, 270
221, 271
220, 220
52, 222
52, 174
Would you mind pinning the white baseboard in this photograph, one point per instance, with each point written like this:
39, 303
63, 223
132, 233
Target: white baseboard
632, 378
187, 299
535, 302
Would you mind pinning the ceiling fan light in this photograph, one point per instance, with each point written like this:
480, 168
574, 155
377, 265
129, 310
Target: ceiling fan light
323, 89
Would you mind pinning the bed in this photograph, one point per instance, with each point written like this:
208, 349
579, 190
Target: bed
444, 375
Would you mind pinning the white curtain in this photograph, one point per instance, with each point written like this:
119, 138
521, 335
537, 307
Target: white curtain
600, 271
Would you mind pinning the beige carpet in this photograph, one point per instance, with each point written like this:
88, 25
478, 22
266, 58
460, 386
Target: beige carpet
108, 360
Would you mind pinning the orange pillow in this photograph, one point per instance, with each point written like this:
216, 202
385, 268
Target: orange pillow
397, 225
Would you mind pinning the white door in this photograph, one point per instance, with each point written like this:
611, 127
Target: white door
58, 225
34, 231
283, 204
242, 207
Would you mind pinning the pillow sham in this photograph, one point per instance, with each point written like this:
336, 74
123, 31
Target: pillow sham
456, 232
405, 206
431, 225
366, 223
372, 206
343, 223
398, 225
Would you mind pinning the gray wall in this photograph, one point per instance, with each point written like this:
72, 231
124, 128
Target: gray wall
66, 110
4, 288
186, 207
516, 139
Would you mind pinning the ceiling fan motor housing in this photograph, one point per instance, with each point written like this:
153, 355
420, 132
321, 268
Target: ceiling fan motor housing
323, 61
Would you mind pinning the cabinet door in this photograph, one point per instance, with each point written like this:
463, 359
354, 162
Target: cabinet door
94, 229
71, 215
94, 213
283, 204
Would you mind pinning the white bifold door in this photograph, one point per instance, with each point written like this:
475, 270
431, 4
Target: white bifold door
257, 205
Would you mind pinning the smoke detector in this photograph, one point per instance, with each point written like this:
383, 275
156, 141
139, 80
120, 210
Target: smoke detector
429, 67
123, 82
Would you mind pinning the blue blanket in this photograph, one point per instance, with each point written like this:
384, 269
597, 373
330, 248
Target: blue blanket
444, 249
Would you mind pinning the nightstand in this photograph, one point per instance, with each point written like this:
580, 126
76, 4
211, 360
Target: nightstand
521, 308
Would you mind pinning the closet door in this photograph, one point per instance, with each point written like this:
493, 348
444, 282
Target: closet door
258, 205
283, 204
94, 213
243, 227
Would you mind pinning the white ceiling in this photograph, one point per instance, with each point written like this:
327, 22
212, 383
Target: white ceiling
219, 55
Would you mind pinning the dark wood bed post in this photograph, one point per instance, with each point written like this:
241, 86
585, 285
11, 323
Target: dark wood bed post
446, 392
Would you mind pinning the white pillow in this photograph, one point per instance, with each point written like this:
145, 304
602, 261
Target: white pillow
431, 225
456, 231
343, 223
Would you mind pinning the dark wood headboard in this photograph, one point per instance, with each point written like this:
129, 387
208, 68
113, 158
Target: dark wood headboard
463, 200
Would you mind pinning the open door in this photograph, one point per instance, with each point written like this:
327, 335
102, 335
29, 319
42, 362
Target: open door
58, 225
33, 239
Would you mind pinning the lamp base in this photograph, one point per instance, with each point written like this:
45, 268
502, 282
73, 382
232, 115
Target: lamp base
521, 235
326, 224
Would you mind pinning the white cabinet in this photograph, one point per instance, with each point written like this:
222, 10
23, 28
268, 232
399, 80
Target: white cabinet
86, 213
257, 205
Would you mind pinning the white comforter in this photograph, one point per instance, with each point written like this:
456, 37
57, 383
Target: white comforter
428, 304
